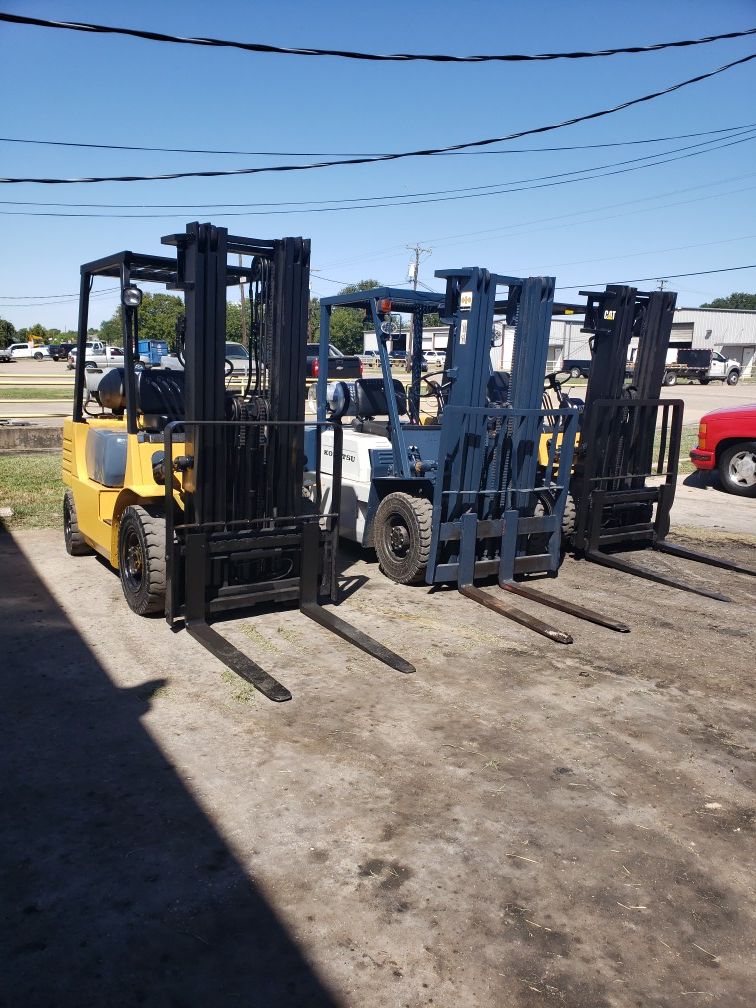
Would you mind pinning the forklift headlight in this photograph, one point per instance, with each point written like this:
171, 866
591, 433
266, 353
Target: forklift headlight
131, 297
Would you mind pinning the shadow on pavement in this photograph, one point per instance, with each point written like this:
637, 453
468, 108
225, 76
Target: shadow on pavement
116, 888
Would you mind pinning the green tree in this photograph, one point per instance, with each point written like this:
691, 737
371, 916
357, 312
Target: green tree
158, 314
313, 320
738, 299
37, 333
7, 332
111, 330
348, 324
234, 322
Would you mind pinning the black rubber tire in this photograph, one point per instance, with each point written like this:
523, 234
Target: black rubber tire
576, 373
76, 544
704, 381
670, 378
90, 365
141, 559
39, 356
733, 378
569, 518
729, 482
401, 516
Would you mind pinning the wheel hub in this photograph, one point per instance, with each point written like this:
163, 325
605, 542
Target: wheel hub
743, 469
134, 559
399, 539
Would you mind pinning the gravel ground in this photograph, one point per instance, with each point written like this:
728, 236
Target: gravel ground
517, 824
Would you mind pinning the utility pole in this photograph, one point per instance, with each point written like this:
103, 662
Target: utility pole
245, 341
414, 266
662, 285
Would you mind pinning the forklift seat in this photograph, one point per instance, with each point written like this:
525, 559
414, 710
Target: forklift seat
370, 401
159, 395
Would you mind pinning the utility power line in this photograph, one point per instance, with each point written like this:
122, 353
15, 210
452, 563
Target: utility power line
260, 47
399, 201
337, 154
660, 276
374, 159
704, 145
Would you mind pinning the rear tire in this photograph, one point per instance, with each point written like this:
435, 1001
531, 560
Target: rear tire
141, 559
737, 469
704, 381
76, 544
576, 373
569, 520
402, 537
38, 356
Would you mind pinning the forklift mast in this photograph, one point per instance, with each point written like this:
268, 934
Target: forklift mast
628, 435
496, 511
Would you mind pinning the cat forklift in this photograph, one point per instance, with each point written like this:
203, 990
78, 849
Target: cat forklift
463, 497
192, 491
628, 436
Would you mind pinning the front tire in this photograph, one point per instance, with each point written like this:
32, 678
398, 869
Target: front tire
76, 544
737, 469
402, 537
670, 378
141, 559
733, 378
576, 373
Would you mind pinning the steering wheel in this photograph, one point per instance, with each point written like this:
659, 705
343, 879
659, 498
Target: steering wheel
228, 369
434, 389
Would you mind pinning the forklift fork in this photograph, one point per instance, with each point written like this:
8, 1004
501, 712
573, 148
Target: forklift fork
596, 556
567, 607
466, 574
309, 605
687, 554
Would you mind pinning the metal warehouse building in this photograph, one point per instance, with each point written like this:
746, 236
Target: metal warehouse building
730, 331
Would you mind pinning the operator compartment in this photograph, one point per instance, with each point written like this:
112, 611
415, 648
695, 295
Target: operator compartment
106, 456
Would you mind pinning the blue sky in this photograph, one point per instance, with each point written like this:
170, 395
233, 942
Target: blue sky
688, 215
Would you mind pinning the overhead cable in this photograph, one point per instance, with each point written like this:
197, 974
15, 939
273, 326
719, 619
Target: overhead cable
276, 153
427, 152
261, 47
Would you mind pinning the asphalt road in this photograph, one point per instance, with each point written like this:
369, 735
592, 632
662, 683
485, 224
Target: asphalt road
698, 399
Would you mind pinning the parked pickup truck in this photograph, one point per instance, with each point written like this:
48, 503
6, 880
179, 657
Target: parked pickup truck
97, 354
578, 368
727, 442
29, 350
60, 351
340, 367
702, 365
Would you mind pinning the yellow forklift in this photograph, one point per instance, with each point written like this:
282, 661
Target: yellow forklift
194, 492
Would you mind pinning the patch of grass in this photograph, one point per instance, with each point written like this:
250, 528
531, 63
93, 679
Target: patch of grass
288, 635
254, 635
241, 692
32, 486
9, 393
688, 440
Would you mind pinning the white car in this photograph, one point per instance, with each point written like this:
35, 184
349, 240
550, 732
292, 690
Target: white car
18, 350
435, 358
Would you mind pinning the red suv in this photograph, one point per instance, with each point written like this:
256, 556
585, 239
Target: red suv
727, 442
